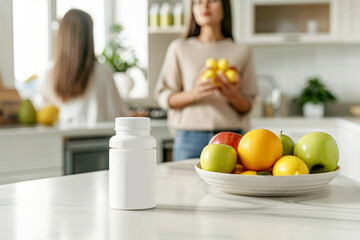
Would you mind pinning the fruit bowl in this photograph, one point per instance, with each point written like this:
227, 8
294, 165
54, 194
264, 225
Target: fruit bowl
266, 185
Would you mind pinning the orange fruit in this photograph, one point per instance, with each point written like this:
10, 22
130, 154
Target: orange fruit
259, 149
249, 172
290, 165
238, 169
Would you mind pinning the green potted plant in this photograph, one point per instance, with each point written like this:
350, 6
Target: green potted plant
313, 98
121, 58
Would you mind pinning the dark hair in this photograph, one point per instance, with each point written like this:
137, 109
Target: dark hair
74, 57
226, 25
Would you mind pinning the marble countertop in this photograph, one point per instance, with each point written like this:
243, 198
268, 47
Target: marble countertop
76, 207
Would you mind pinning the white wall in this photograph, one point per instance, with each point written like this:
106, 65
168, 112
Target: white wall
6, 43
337, 65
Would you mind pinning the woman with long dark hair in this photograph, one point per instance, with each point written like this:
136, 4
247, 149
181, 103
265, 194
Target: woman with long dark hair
199, 109
83, 89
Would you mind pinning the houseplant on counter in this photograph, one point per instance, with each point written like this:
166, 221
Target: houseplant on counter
313, 98
121, 58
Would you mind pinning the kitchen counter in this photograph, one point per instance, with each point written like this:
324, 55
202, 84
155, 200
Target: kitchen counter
107, 128
37, 152
76, 207
103, 128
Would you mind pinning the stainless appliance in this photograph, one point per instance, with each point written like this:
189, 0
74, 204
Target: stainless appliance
86, 154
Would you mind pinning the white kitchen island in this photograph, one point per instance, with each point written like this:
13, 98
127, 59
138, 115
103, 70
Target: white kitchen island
76, 207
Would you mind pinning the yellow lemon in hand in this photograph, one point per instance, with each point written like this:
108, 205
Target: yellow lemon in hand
48, 115
209, 74
231, 74
290, 165
211, 63
223, 64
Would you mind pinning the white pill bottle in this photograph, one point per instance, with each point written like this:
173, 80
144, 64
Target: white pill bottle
132, 165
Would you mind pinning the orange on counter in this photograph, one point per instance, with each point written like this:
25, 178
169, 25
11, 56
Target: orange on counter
259, 149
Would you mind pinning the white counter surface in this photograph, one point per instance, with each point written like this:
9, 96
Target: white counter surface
104, 128
76, 207
107, 128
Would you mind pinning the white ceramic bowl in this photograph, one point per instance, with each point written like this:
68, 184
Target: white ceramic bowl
266, 185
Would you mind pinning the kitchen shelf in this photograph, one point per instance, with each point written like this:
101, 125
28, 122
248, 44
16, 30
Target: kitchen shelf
167, 30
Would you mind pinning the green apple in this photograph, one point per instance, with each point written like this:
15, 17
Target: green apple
287, 143
319, 151
218, 158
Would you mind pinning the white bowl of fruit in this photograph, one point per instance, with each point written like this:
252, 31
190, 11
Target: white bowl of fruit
263, 164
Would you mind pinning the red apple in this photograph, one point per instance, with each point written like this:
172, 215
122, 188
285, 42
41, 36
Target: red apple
227, 138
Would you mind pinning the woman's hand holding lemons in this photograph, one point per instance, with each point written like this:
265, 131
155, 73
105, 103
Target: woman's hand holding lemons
215, 68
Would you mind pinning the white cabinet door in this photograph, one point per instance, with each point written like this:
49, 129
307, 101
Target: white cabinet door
349, 148
26, 159
349, 23
291, 21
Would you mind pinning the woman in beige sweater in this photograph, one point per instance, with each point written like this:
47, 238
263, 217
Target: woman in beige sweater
196, 109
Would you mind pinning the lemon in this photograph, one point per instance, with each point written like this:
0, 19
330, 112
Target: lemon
231, 74
209, 74
211, 63
223, 64
249, 172
48, 115
290, 165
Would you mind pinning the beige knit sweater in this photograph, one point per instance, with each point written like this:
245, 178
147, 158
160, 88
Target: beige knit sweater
182, 65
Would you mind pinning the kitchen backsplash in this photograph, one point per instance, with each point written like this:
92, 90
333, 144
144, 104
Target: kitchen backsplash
338, 66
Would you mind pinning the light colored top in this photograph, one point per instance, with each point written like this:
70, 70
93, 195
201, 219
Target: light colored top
100, 102
76, 207
184, 61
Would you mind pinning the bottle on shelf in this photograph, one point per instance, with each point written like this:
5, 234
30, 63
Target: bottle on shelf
166, 15
178, 14
154, 15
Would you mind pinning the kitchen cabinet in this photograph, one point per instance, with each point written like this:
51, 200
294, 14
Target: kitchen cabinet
291, 21
25, 158
349, 148
28, 153
349, 25
268, 22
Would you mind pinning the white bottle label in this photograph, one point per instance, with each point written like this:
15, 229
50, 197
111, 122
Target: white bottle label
132, 179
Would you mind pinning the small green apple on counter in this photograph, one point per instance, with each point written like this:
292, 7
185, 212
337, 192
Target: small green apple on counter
218, 158
287, 143
319, 151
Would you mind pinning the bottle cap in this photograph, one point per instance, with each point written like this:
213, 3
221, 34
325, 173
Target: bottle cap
125, 123
154, 9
